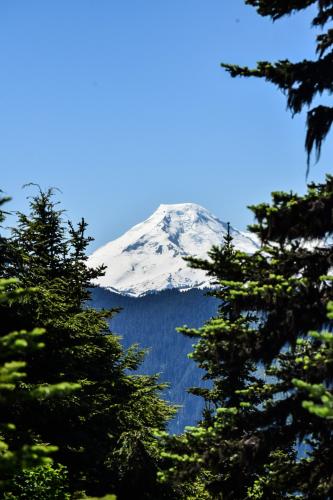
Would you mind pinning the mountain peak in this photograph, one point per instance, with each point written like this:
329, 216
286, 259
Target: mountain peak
150, 257
181, 207
182, 210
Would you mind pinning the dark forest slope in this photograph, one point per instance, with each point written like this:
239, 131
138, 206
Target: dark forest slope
151, 321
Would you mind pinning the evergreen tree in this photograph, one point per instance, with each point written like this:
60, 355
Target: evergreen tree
257, 438
321, 402
105, 431
304, 81
14, 346
4, 248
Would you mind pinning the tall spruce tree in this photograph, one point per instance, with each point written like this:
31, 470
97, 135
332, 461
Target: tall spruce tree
28, 457
105, 431
257, 438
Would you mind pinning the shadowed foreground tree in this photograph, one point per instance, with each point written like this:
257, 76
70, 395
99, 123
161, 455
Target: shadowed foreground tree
105, 430
13, 348
30, 456
262, 436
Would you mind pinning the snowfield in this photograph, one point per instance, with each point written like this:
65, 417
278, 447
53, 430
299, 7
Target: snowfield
149, 257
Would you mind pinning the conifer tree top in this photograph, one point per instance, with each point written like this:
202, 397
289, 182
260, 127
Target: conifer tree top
304, 81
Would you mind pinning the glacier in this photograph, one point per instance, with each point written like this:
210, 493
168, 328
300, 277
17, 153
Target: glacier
149, 258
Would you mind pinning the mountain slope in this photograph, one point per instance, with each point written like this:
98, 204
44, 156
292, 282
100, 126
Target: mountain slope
149, 257
151, 322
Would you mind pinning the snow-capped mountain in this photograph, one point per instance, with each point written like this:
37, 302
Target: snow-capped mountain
149, 257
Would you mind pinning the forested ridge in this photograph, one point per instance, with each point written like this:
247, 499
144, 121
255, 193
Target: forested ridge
151, 321
78, 420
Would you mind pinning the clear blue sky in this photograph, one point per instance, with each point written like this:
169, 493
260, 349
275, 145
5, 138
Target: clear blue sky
122, 104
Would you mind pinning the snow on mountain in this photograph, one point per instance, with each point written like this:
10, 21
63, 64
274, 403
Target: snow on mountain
149, 257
